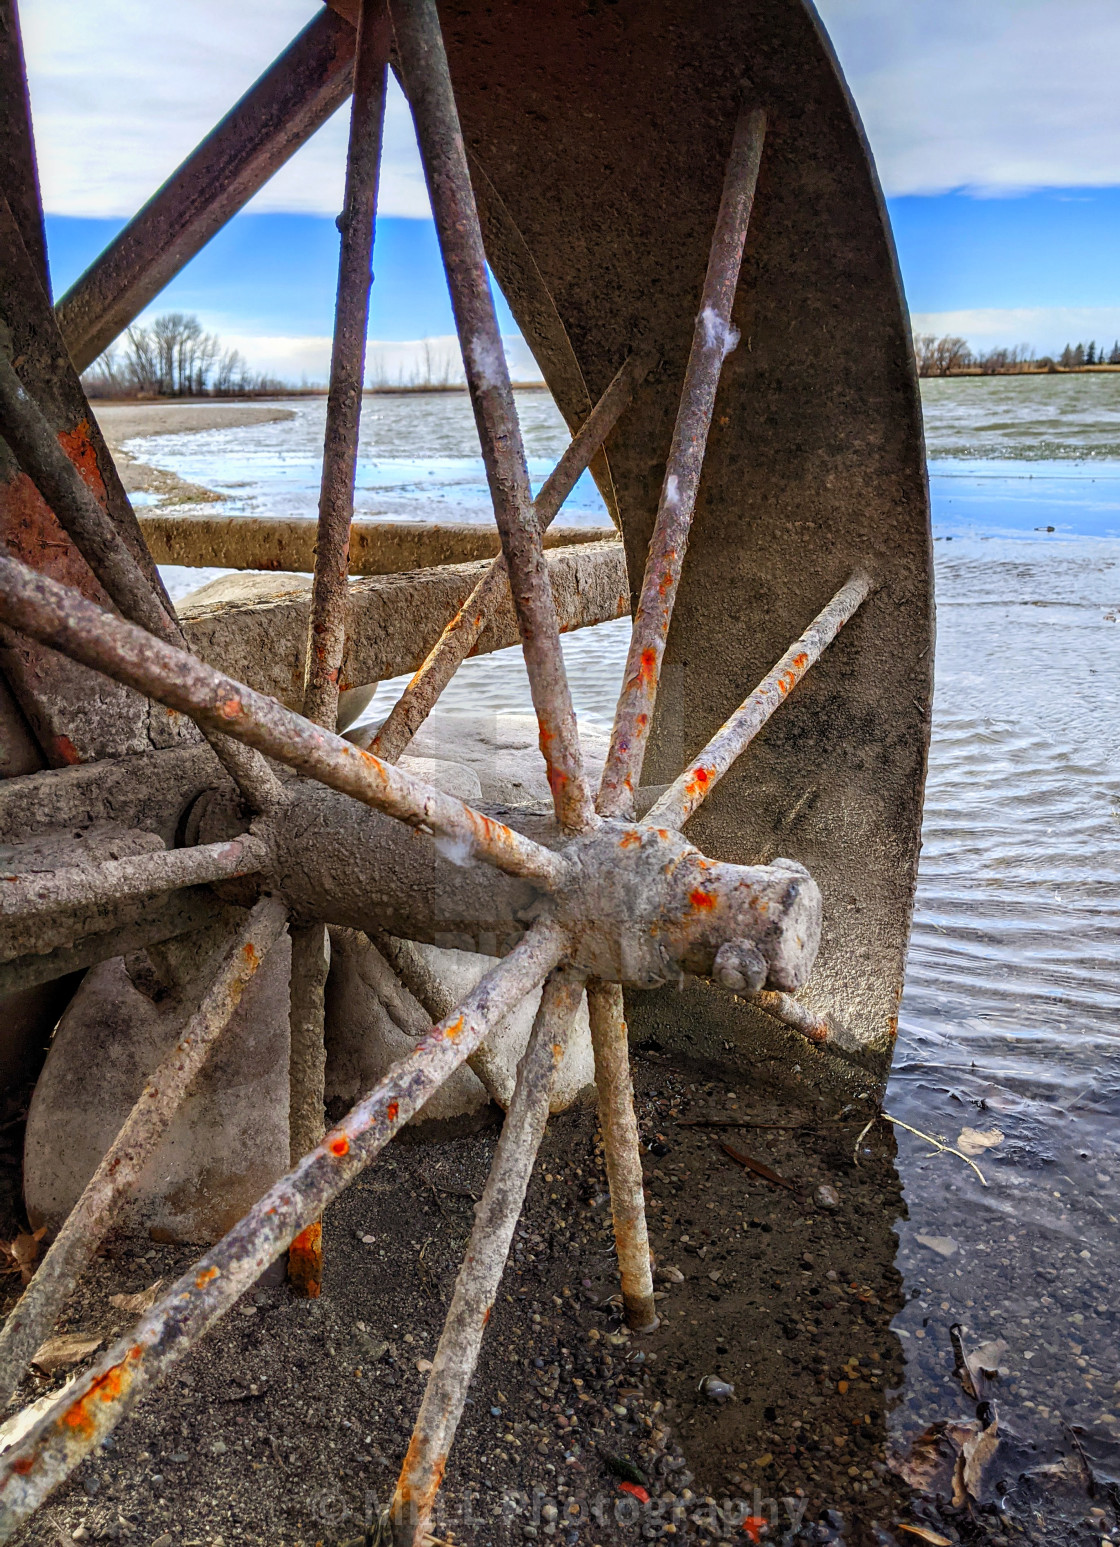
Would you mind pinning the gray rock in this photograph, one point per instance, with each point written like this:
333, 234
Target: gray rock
227, 1144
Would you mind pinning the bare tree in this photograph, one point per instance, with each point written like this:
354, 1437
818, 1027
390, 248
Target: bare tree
1003, 361
175, 357
941, 356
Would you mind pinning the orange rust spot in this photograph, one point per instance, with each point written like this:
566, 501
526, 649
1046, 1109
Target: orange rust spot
67, 751
391, 1111
106, 1388
800, 661
628, 840
207, 1276
455, 1030
663, 833
647, 672
23, 1465
305, 1261
699, 780
700, 899
340, 1146
486, 1316
230, 709
250, 953
78, 446
643, 721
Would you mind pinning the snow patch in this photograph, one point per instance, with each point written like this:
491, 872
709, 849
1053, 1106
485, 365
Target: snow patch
718, 332
460, 851
488, 361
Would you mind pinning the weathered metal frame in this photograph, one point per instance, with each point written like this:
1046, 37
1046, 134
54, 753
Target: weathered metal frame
42, 609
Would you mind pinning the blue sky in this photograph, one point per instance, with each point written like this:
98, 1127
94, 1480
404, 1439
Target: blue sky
996, 131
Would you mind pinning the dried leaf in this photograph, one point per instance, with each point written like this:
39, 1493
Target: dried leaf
974, 1141
68, 1348
933, 1463
22, 1254
924, 1534
975, 1454
987, 1360
758, 1168
140, 1302
978, 1368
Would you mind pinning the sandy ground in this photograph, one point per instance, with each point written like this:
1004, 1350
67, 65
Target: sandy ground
125, 421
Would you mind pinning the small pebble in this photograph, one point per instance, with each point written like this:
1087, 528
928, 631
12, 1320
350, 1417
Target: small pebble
716, 1390
164, 1540
828, 1197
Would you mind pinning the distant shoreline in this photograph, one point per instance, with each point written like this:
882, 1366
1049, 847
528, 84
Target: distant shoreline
145, 400
1024, 370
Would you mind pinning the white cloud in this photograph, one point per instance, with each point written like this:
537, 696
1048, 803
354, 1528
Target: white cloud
304, 358
998, 96
1045, 328
123, 90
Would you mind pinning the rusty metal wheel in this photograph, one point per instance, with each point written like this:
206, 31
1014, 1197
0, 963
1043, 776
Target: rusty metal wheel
681, 210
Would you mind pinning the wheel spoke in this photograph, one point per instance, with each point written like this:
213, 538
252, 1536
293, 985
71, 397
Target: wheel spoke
307, 1068
93, 1214
175, 916
81, 1418
692, 788
424, 65
139, 875
57, 616
621, 1148
713, 339
414, 997
327, 625
96, 538
477, 1284
461, 634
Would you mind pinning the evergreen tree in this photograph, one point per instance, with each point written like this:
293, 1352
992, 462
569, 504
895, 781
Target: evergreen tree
1114, 357
1091, 353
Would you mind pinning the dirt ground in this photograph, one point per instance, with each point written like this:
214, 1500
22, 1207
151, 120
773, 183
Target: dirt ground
288, 1424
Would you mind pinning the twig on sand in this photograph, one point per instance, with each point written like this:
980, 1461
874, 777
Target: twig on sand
917, 1132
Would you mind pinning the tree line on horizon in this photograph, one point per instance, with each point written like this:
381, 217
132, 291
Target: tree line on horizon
175, 357
954, 356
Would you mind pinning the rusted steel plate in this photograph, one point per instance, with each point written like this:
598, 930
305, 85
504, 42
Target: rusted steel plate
273, 119
76, 717
288, 544
599, 140
394, 620
19, 176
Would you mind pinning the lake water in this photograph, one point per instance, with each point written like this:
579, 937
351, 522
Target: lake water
1012, 1006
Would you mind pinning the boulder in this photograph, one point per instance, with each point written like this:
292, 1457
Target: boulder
227, 1144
